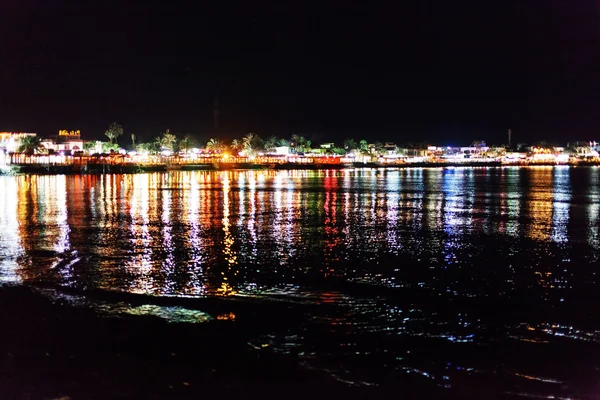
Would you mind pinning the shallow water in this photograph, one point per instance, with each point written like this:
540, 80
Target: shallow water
468, 277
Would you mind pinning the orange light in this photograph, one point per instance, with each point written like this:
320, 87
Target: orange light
226, 317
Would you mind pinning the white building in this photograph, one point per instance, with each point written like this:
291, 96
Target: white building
65, 142
282, 150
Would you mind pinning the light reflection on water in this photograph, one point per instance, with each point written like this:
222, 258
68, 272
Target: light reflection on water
10, 239
412, 254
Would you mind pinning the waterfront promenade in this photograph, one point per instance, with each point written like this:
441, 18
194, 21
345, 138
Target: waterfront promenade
118, 163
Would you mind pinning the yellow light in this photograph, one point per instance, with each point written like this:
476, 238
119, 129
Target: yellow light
226, 290
64, 132
225, 156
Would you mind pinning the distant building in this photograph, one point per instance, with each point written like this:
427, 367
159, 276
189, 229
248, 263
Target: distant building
586, 152
282, 150
390, 147
584, 149
582, 143
66, 142
10, 141
412, 152
323, 148
515, 156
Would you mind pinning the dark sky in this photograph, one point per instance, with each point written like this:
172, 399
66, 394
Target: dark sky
446, 71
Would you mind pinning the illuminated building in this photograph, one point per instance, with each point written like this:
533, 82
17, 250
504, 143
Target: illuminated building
67, 142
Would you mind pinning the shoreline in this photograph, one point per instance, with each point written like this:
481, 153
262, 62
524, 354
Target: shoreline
133, 169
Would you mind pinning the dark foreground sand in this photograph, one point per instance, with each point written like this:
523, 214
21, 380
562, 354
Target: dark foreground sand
57, 351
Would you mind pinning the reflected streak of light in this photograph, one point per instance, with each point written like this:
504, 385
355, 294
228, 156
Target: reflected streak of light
242, 203
62, 243
346, 212
349, 207
252, 218
100, 199
434, 200
289, 218
453, 203
30, 183
10, 240
247, 248
488, 203
226, 290
540, 203
260, 205
513, 202
113, 197
93, 203
168, 246
372, 196
561, 204
140, 265
453, 211
193, 209
415, 199
392, 210
332, 238
501, 205
468, 197
277, 223
226, 317
228, 240
593, 209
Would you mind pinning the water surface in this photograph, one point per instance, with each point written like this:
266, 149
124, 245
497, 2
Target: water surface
472, 277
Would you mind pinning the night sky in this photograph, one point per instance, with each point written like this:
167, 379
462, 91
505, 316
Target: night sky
444, 71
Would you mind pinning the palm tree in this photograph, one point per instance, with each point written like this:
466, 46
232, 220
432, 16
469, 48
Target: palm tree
339, 151
307, 145
363, 146
350, 144
251, 142
298, 142
186, 143
271, 143
114, 131
157, 144
167, 141
108, 147
30, 144
214, 144
236, 146
89, 147
248, 142
150, 147
295, 139
283, 142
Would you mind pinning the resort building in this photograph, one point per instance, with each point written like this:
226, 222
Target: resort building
66, 142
